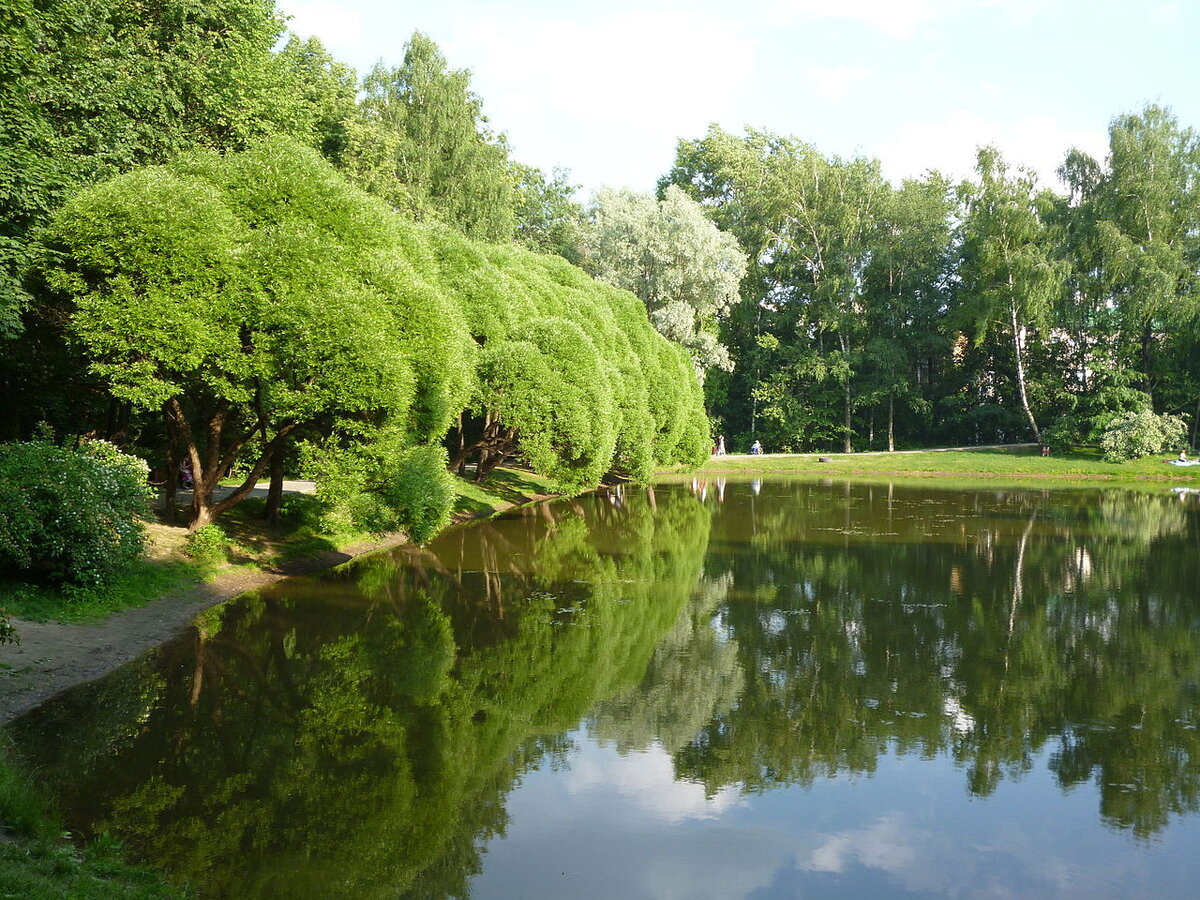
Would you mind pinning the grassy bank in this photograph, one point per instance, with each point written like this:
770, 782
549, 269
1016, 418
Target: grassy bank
1022, 464
38, 861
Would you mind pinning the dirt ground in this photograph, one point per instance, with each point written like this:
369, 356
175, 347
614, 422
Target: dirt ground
53, 657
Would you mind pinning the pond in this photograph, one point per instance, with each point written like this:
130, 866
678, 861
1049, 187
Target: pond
755, 688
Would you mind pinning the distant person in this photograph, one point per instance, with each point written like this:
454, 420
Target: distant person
720, 445
186, 480
1183, 456
756, 448
1045, 449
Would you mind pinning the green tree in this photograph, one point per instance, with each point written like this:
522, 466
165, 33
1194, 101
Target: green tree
671, 255
92, 88
1147, 210
906, 289
1010, 276
251, 298
422, 143
806, 222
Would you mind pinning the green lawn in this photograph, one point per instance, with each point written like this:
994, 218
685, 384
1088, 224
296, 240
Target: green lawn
1081, 463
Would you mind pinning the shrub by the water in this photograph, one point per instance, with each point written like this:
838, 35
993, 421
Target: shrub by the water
208, 544
1140, 434
384, 487
70, 516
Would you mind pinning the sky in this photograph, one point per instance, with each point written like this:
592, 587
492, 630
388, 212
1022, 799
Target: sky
607, 90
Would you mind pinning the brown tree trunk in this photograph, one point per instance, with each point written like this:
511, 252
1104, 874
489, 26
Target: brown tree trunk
275, 491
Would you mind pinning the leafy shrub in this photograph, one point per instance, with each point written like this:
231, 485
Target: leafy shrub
1140, 434
384, 487
8, 631
71, 516
421, 491
208, 544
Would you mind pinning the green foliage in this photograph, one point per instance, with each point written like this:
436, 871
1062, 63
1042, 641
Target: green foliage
421, 143
668, 253
421, 492
70, 515
208, 544
383, 486
1141, 433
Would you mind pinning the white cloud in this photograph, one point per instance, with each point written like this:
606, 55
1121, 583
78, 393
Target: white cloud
949, 145
888, 844
647, 779
835, 82
608, 96
898, 18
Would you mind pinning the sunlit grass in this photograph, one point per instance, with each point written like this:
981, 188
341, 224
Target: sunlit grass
1074, 464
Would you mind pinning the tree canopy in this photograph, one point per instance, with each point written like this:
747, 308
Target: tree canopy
256, 298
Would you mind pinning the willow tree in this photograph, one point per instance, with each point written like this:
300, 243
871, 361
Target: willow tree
252, 298
1010, 276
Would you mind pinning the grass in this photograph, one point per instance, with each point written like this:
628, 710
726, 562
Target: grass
38, 861
144, 581
1079, 463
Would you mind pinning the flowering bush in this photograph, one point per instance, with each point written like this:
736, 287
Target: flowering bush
1140, 434
70, 515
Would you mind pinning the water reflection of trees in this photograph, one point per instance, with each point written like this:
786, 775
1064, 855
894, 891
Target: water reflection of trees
357, 737
990, 625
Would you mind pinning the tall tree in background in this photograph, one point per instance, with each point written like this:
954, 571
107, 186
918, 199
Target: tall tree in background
808, 223
421, 142
1148, 222
1010, 277
549, 218
906, 292
670, 254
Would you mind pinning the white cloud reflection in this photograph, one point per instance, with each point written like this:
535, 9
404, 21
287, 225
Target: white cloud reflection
647, 779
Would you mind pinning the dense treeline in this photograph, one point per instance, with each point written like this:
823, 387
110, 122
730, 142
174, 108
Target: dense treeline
821, 306
185, 274
933, 313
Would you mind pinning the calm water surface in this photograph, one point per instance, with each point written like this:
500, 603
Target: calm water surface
745, 689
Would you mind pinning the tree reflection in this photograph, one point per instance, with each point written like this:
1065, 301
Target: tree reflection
987, 625
356, 736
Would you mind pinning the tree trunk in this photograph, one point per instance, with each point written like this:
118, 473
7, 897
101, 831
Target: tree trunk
172, 485
275, 492
1018, 342
891, 423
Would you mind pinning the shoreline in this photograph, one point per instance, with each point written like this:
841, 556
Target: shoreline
54, 657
